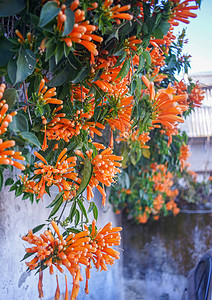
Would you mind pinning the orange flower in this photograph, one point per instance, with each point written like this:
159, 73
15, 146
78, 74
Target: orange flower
122, 121
62, 175
130, 44
105, 167
196, 96
166, 111
45, 96
182, 11
62, 128
184, 155
82, 248
117, 11
82, 33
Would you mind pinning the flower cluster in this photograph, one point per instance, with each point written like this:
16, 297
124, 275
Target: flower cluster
52, 250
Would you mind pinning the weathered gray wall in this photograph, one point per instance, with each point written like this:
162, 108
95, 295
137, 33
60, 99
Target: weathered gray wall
159, 255
16, 217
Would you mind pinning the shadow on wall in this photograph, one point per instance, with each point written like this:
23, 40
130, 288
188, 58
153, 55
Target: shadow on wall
159, 255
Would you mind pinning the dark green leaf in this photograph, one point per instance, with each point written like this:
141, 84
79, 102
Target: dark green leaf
91, 206
147, 57
50, 50
56, 207
19, 191
82, 208
81, 74
56, 199
27, 255
49, 11
19, 123
72, 211
69, 22
1, 179
161, 30
77, 218
87, 173
31, 138
5, 51
9, 181
141, 63
11, 96
58, 52
74, 230
124, 70
12, 69
37, 228
25, 64
11, 7
95, 212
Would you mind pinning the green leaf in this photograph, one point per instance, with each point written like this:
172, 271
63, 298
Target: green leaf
11, 96
146, 153
82, 208
67, 73
77, 218
141, 63
5, 51
124, 70
19, 123
69, 22
59, 52
161, 30
31, 138
56, 207
95, 212
147, 57
37, 228
87, 173
56, 199
27, 255
19, 191
25, 64
81, 74
91, 206
11, 7
74, 230
1, 179
50, 50
49, 11
9, 181
72, 211
12, 69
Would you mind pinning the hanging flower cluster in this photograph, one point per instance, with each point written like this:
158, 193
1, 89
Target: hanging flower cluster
54, 251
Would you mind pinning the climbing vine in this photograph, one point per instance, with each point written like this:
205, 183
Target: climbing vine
88, 89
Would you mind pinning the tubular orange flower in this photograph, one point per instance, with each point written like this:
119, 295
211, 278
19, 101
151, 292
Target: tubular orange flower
182, 11
166, 111
62, 175
196, 96
45, 96
82, 33
117, 11
105, 167
122, 121
83, 248
184, 155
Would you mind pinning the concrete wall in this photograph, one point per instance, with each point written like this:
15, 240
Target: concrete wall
16, 217
159, 255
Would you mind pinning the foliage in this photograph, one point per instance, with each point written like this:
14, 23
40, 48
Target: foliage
77, 72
